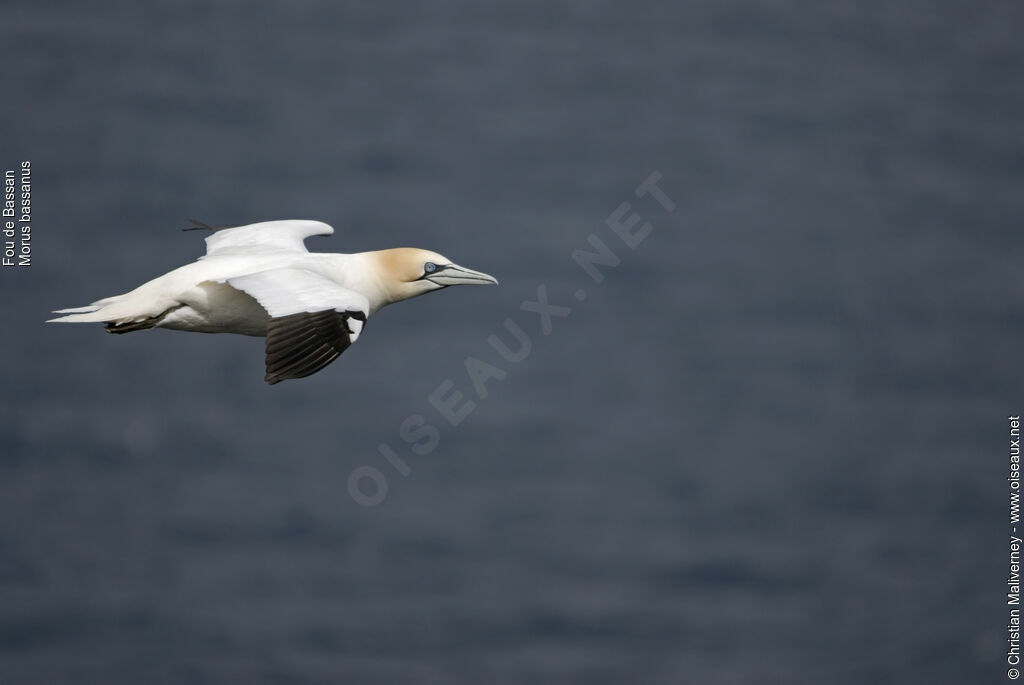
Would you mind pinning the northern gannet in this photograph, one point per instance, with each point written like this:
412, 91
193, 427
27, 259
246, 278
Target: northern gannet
260, 280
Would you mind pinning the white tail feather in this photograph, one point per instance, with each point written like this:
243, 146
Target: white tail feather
107, 310
76, 310
83, 317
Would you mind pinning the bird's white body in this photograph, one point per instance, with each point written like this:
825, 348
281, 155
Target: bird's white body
260, 280
213, 306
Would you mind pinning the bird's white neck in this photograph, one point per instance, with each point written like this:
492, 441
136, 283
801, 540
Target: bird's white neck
374, 274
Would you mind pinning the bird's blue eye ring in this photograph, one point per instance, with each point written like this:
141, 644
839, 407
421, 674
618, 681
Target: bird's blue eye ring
430, 267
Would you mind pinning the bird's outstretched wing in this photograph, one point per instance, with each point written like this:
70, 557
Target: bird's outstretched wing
264, 238
312, 319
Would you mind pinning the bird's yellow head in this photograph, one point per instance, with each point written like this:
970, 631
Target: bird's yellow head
409, 271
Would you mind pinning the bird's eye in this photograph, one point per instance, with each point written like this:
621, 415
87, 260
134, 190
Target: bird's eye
430, 267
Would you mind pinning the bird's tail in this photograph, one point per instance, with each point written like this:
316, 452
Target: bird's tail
96, 312
117, 312
141, 308
77, 310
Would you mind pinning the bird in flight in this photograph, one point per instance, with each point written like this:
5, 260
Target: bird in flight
260, 280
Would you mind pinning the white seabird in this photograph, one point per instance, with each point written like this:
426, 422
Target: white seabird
260, 280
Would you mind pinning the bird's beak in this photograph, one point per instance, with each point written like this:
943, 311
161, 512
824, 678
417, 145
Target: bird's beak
453, 274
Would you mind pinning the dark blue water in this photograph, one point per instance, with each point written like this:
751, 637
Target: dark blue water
769, 447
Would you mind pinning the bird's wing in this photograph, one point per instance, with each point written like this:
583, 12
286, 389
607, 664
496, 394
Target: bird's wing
264, 238
312, 319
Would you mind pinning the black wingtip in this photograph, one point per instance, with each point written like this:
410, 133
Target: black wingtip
200, 226
299, 345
